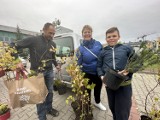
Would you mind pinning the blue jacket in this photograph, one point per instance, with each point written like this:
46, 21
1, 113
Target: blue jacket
87, 60
115, 58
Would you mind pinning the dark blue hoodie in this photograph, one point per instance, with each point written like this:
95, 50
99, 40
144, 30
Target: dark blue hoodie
115, 58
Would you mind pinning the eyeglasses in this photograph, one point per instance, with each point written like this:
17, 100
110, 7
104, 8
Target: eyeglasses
112, 36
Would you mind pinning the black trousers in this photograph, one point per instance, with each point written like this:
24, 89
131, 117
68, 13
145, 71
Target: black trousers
120, 102
97, 89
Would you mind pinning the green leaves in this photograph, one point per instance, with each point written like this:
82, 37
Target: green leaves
143, 58
32, 73
70, 98
91, 86
154, 112
79, 87
7, 61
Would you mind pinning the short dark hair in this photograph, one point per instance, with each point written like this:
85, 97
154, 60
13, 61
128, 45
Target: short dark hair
46, 26
111, 30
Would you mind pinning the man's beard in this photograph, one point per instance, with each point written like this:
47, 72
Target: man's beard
50, 38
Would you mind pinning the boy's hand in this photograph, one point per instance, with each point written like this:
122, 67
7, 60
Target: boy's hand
102, 78
123, 72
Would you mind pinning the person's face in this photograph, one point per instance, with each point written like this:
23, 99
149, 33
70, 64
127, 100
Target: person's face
112, 38
87, 34
49, 33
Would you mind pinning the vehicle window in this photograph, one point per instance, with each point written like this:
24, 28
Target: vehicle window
65, 46
1, 38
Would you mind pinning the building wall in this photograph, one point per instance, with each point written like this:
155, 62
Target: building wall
158, 43
9, 36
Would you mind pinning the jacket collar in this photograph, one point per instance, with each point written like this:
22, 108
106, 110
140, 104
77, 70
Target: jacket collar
109, 47
43, 38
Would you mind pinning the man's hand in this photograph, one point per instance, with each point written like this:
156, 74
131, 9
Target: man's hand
123, 72
20, 66
58, 67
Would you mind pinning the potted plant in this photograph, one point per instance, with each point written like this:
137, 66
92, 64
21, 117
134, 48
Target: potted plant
55, 85
80, 103
60, 86
137, 61
7, 61
4, 111
58, 83
145, 56
153, 113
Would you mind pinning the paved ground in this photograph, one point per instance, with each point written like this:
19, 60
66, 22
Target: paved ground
141, 84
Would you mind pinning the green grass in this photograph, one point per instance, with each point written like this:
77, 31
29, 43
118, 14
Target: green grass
155, 66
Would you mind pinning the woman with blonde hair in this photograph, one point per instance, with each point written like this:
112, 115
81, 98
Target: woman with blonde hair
87, 58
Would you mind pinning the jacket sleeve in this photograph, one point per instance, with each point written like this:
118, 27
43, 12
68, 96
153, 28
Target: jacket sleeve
100, 65
25, 43
79, 56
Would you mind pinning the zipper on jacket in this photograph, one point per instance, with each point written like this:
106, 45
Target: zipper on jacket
114, 66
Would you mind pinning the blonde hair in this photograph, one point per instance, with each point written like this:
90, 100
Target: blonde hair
87, 27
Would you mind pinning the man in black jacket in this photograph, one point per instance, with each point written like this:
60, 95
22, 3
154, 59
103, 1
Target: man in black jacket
41, 49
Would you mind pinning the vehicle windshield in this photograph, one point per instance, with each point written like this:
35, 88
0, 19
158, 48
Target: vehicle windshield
64, 46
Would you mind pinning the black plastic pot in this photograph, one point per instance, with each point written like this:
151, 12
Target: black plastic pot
113, 80
62, 89
77, 111
74, 105
86, 117
145, 117
54, 87
89, 117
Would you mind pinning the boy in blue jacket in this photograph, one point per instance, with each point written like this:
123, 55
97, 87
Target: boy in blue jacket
115, 56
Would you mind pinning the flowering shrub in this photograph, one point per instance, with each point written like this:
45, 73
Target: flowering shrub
7, 61
3, 108
79, 87
154, 113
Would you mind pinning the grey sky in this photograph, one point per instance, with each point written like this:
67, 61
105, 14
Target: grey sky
133, 17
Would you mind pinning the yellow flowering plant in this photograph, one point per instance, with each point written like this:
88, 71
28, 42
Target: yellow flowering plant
80, 103
7, 61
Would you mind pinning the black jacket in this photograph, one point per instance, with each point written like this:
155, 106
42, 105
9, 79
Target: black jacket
115, 58
40, 49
